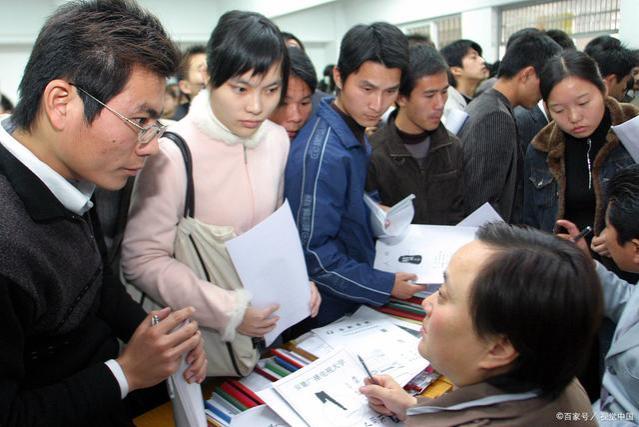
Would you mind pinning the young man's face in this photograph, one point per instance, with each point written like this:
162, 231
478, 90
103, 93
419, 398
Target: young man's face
617, 88
106, 152
196, 77
368, 92
626, 256
473, 66
425, 105
293, 113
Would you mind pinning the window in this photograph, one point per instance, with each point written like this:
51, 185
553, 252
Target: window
442, 30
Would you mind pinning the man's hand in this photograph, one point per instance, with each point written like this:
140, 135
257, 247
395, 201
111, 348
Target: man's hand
404, 287
599, 245
154, 351
573, 233
258, 322
387, 397
316, 299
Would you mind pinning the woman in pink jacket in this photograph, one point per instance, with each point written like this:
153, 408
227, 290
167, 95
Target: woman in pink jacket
238, 165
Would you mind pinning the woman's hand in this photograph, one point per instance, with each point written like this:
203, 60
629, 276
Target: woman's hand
316, 299
258, 322
387, 397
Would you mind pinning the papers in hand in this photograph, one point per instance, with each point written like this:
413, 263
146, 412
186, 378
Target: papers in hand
394, 222
482, 215
188, 409
424, 250
628, 133
270, 263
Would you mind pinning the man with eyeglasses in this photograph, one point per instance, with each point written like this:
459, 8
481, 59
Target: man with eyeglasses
91, 95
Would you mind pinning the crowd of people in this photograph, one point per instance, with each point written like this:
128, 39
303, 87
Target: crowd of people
108, 173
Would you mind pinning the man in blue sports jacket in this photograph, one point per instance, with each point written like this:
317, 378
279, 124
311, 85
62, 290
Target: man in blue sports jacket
326, 175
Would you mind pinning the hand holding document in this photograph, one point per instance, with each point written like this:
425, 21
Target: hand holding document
394, 222
628, 134
270, 263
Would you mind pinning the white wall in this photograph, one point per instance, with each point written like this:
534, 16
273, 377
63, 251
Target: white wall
628, 28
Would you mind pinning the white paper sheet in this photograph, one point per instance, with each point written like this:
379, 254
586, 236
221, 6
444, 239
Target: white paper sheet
366, 313
482, 215
270, 262
281, 407
256, 382
326, 393
259, 416
394, 222
188, 406
386, 348
628, 133
424, 250
454, 120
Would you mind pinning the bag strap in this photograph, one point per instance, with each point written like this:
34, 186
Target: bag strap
189, 202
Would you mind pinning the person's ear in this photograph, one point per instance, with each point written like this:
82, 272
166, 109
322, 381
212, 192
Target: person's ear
527, 73
635, 251
55, 102
337, 76
402, 100
185, 86
456, 71
501, 353
609, 81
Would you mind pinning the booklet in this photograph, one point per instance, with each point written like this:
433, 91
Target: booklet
394, 222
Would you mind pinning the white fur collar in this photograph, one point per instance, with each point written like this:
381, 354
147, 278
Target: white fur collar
204, 119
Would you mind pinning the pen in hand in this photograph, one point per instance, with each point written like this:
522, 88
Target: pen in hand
583, 233
368, 372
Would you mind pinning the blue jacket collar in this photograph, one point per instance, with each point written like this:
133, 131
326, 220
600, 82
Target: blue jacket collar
338, 124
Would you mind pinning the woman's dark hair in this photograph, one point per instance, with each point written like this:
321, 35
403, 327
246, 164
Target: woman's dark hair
379, 42
570, 63
290, 36
542, 293
302, 67
6, 104
623, 203
242, 42
94, 44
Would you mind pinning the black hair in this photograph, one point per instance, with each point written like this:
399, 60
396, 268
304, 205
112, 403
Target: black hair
520, 33
611, 56
94, 44
568, 64
327, 84
542, 293
302, 67
423, 61
419, 39
455, 52
5, 104
533, 49
185, 63
242, 42
623, 203
379, 42
561, 38
290, 36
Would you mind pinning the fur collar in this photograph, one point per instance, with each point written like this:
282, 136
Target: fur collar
204, 119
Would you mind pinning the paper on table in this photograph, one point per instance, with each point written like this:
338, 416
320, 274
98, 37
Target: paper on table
424, 250
326, 393
454, 119
188, 409
256, 382
281, 407
386, 347
366, 313
270, 263
628, 133
258, 416
313, 344
482, 215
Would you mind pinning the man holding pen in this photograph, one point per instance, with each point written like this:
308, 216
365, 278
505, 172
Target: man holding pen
619, 401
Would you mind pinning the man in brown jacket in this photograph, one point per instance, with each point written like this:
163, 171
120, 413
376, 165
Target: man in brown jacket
414, 153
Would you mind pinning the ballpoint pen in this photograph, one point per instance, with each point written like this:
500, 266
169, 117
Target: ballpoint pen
583, 233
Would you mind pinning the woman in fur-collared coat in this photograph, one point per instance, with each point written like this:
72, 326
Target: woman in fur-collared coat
569, 161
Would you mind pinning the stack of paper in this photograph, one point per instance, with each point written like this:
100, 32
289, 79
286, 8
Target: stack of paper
394, 222
628, 133
186, 399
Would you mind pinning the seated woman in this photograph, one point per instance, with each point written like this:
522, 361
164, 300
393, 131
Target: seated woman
238, 160
510, 328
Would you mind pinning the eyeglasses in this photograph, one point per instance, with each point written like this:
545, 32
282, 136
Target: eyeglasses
145, 134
